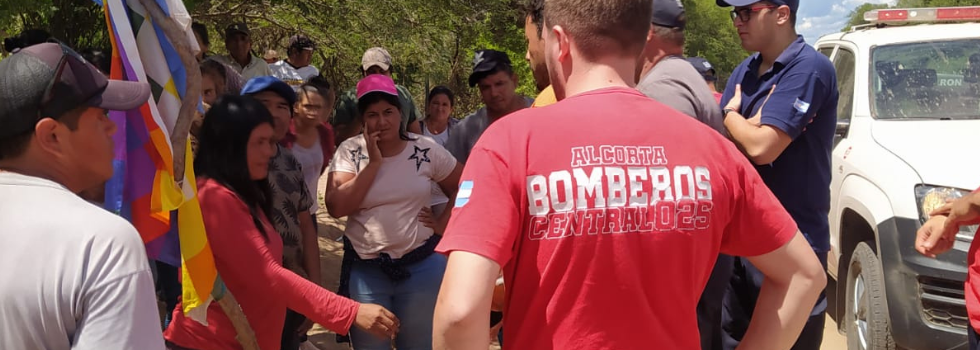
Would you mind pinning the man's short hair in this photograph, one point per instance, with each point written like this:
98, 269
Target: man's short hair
588, 21
674, 36
16, 146
535, 10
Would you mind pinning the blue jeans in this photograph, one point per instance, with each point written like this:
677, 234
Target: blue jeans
413, 301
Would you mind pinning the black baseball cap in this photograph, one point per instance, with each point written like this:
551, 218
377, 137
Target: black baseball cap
486, 61
793, 4
50, 79
703, 67
236, 28
301, 42
668, 13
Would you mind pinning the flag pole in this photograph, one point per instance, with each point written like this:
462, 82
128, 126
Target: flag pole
178, 38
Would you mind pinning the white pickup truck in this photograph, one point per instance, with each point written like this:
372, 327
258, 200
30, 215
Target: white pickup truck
908, 137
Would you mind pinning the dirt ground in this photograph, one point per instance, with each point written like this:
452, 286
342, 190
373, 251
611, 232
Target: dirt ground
331, 255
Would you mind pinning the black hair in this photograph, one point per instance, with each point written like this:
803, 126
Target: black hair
501, 67
441, 90
98, 58
535, 10
374, 97
26, 38
222, 156
202, 32
320, 83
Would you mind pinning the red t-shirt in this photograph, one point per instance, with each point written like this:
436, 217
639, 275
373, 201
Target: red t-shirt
607, 211
251, 267
972, 285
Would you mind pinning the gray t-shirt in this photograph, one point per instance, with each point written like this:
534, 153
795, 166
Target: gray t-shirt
464, 134
72, 275
675, 83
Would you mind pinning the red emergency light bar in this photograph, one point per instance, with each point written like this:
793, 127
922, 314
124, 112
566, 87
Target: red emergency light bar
940, 14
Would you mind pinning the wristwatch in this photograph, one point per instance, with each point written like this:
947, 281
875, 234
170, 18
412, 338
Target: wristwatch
726, 111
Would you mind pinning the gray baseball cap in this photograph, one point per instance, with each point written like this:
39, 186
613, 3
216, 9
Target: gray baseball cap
50, 79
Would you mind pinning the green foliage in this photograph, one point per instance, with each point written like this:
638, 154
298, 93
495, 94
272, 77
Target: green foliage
79, 23
710, 34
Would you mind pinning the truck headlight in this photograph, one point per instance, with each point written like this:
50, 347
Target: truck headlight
929, 198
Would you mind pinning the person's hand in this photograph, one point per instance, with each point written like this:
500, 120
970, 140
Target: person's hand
960, 212
427, 219
757, 118
372, 138
930, 240
377, 320
736, 101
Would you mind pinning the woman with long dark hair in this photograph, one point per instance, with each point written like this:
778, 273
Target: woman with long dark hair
381, 181
232, 166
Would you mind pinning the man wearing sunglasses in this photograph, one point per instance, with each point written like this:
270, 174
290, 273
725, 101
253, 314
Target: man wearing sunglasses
74, 276
780, 108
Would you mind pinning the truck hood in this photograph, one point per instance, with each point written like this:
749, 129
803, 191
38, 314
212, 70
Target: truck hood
942, 152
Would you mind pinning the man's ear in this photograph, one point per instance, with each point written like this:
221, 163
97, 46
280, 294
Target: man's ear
564, 44
783, 15
50, 136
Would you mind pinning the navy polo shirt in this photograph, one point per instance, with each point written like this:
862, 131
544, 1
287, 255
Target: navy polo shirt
804, 106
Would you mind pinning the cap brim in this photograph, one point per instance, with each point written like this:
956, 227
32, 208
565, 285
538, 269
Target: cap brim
122, 96
727, 3
383, 65
386, 92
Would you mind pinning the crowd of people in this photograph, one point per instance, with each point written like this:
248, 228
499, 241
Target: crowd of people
629, 205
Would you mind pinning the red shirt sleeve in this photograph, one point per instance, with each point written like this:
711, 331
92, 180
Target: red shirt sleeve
241, 254
759, 223
487, 213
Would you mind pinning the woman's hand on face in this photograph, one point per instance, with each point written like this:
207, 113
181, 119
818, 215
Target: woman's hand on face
372, 138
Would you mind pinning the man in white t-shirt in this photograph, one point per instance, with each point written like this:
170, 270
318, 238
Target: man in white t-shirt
296, 68
74, 276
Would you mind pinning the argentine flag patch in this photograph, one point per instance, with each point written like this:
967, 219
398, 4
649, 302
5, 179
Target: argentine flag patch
463, 196
801, 106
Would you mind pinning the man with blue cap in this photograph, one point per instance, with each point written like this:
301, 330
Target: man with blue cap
291, 199
780, 108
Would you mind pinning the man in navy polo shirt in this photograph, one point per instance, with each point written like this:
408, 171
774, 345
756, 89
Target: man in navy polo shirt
780, 108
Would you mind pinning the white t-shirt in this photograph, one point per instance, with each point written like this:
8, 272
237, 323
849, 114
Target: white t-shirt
311, 159
292, 75
388, 217
440, 138
73, 276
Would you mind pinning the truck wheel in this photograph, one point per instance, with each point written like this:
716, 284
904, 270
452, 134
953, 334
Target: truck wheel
867, 314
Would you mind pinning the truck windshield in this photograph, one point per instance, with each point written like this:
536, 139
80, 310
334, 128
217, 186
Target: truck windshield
927, 80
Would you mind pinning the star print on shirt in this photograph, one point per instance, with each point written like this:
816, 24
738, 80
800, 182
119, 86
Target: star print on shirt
356, 156
424, 152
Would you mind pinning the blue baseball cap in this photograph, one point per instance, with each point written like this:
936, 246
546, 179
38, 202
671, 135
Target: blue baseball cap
703, 67
668, 13
270, 83
793, 4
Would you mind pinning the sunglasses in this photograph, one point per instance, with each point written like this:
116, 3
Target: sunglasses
744, 14
69, 91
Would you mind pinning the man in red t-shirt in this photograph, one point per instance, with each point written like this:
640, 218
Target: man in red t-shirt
607, 231
937, 236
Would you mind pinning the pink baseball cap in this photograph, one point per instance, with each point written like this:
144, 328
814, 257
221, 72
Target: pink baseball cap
376, 83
